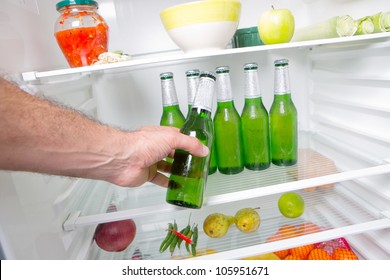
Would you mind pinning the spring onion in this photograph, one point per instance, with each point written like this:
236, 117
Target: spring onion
338, 26
364, 26
381, 22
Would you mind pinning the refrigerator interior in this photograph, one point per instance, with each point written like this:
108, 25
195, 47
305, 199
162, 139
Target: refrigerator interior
340, 88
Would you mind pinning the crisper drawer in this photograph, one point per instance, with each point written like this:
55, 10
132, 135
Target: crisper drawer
331, 209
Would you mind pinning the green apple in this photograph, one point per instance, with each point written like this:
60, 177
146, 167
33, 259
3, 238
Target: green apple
276, 26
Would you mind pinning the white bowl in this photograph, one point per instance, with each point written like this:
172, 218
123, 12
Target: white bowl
202, 25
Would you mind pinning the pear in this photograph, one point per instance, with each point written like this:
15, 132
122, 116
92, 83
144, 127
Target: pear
247, 220
216, 225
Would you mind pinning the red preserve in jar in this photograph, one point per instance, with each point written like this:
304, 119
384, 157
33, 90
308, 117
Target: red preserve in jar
81, 32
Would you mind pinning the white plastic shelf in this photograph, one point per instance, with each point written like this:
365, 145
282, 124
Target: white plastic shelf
142, 62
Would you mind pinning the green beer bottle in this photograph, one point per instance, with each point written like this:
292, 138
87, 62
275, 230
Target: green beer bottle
192, 85
227, 127
189, 173
255, 123
213, 158
283, 119
171, 116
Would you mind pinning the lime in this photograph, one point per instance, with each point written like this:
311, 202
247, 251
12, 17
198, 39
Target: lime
291, 205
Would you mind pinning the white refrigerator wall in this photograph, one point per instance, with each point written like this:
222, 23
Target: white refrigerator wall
329, 87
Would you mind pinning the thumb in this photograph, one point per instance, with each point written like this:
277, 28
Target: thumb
191, 145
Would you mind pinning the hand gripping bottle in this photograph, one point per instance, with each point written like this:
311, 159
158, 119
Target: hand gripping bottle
189, 173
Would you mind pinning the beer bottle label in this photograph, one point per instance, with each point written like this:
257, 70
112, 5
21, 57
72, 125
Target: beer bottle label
252, 84
224, 88
192, 84
204, 97
282, 81
169, 93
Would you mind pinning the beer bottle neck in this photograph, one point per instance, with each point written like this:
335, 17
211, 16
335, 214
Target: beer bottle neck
225, 104
192, 86
169, 96
171, 108
224, 88
197, 112
282, 80
251, 101
204, 94
252, 89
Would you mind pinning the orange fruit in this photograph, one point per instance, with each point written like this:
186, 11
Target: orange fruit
282, 253
307, 228
292, 257
291, 205
274, 237
302, 251
319, 254
343, 254
288, 231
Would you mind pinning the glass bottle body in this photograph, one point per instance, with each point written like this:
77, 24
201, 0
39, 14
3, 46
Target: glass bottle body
213, 157
228, 139
283, 119
255, 134
284, 131
189, 173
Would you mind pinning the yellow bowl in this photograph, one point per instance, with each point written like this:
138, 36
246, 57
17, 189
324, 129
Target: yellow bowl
200, 25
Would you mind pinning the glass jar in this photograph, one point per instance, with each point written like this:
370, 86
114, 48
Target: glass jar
81, 33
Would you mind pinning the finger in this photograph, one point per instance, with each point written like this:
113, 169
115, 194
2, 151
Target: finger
191, 145
164, 166
160, 180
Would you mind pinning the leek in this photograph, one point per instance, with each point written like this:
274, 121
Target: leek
364, 26
338, 26
381, 22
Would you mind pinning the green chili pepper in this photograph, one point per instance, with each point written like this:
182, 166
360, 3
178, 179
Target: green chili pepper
184, 231
189, 235
170, 225
170, 240
173, 244
194, 241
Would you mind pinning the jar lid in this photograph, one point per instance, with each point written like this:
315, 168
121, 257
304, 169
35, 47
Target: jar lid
75, 2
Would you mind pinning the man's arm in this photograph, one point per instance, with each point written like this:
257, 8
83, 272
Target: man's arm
39, 136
